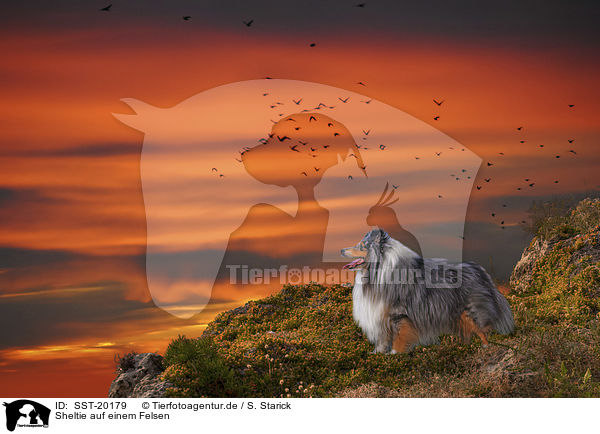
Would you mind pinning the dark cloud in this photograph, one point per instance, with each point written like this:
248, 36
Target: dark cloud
521, 22
85, 150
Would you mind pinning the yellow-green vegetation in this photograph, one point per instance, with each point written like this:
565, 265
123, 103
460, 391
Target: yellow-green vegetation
302, 342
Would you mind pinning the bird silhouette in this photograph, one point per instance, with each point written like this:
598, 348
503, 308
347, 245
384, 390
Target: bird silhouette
382, 147
297, 102
487, 179
344, 100
366, 133
367, 101
570, 140
360, 5
187, 17
350, 177
106, 8
248, 24
571, 105
313, 45
214, 169
519, 128
293, 148
312, 118
438, 154
478, 187
573, 152
436, 118
395, 186
438, 102
282, 139
303, 173
490, 164
361, 83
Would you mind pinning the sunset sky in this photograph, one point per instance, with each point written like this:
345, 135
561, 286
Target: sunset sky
73, 288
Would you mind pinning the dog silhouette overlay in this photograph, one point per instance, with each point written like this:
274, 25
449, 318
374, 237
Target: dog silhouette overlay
26, 412
218, 191
383, 216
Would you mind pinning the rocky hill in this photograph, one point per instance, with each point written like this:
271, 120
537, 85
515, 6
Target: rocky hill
302, 342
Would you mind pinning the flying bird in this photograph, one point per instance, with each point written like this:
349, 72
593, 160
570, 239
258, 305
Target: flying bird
573, 152
297, 102
248, 24
214, 169
490, 164
361, 83
360, 5
478, 187
438, 102
187, 17
312, 118
519, 128
293, 148
303, 173
395, 186
487, 179
382, 147
367, 101
571, 105
344, 100
366, 133
350, 177
436, 118
570, 140
106, 8
283, 139
313, 45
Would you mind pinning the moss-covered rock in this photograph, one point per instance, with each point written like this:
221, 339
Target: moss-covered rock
302, 342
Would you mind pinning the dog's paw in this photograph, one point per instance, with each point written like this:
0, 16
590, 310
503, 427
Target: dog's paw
393, 351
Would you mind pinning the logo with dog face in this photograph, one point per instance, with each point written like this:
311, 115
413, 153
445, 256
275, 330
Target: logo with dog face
275, 173
25, 413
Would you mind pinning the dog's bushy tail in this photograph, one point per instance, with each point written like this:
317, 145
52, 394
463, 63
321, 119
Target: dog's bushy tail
503, 321
489, 307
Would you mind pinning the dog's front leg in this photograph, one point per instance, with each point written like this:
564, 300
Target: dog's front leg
385, 338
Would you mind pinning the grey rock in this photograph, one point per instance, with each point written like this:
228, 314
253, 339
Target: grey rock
140, 379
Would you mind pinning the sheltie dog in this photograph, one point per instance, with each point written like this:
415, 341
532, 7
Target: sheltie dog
401, 300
